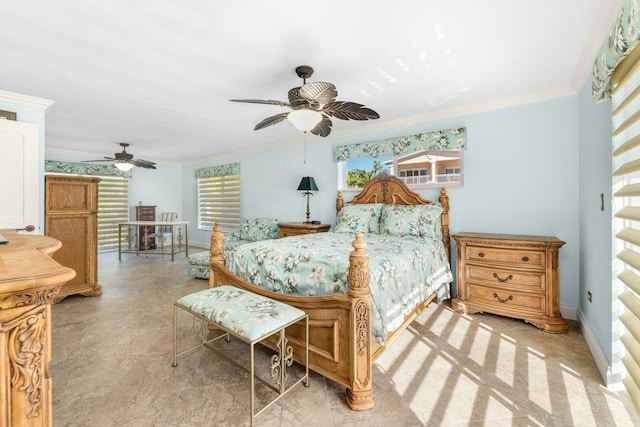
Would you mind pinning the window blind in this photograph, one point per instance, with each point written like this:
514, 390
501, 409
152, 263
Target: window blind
219, 201
625, 119
113, 208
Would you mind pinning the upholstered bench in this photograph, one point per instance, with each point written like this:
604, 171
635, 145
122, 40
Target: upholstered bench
250, 318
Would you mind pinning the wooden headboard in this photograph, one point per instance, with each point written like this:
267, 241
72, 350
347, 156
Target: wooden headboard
390, 190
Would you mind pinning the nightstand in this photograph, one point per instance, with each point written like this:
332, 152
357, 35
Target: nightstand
296, 228
510, 275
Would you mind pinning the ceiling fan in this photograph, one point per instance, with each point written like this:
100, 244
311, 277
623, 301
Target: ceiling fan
125, 161
312, 103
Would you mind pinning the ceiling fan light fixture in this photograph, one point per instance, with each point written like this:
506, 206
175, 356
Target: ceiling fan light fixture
123, 166
304, 119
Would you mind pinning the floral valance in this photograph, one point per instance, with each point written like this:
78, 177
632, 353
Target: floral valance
53, 166
222, 170
624, 36
451, 139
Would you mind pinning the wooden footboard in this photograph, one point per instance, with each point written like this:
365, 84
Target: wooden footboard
340, 345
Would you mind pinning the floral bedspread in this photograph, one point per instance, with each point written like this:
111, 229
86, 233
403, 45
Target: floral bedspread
404, 270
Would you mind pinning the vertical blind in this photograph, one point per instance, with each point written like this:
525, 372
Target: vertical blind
625, 119
219, 201
113, 208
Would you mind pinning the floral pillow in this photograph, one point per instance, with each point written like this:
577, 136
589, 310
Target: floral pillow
256, 229
359, 218
413, 220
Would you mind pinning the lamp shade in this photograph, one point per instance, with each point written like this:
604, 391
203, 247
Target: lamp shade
304, 119
124, 166
307, 184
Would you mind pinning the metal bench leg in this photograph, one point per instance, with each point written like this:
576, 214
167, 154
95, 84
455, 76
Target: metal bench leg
175, 336
253, 380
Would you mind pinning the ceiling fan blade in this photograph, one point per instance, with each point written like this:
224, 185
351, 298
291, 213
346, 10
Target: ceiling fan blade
323, 128
295, 100
143, 163
262, 101
322, 92
349, 111
271, 121
106, 159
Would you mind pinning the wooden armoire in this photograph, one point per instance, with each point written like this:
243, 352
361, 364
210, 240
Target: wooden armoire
71, 209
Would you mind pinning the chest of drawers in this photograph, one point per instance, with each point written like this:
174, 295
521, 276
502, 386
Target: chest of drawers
510, 275
295, 229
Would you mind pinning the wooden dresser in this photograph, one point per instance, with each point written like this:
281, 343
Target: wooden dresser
296, 228
510, 275
146, 240
71, 210
29, 280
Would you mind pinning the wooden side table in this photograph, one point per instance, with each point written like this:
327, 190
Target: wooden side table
510, 275
296, 228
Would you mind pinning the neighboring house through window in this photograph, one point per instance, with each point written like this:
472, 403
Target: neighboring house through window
426, 160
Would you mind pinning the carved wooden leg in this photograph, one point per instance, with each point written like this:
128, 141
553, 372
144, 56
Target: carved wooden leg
25, 350
360, 393
216, 250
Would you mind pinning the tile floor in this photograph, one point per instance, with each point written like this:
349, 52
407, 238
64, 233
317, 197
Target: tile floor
111, 366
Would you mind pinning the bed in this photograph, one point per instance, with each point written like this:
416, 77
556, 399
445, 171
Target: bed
340, 278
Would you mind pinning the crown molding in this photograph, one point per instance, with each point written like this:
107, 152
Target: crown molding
26, 100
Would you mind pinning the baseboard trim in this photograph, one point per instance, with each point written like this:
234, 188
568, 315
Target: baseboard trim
569, 311
197, 244
596, 350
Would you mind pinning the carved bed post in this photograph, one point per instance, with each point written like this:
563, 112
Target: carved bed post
444, 221
216, 249
339, 202
360, 392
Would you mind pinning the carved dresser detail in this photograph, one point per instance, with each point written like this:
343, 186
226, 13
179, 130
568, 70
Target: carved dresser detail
510, 275
29, 280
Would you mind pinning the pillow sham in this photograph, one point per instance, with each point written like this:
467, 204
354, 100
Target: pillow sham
411, 220
256, 229
359, 218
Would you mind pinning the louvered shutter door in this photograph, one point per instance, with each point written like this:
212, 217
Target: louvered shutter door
625, 118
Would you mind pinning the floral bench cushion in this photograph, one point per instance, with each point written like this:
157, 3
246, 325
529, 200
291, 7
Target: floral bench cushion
248, 315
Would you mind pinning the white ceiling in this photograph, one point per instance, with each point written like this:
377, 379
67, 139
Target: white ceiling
159, 75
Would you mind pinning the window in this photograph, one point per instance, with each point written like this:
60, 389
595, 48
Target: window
219, 201
113, 208
422, 169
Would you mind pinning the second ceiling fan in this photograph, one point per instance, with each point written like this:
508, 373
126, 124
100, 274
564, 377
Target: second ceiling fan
312, 103
125, 161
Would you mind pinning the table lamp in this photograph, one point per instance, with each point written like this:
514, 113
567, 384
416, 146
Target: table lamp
308, 184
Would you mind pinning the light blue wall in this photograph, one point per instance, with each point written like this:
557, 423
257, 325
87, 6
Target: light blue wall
161, 187
595, 224
521, 176
34, 115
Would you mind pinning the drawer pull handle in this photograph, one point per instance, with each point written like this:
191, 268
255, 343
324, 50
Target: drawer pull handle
481, 254
506, 279
504, 301
525, 258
